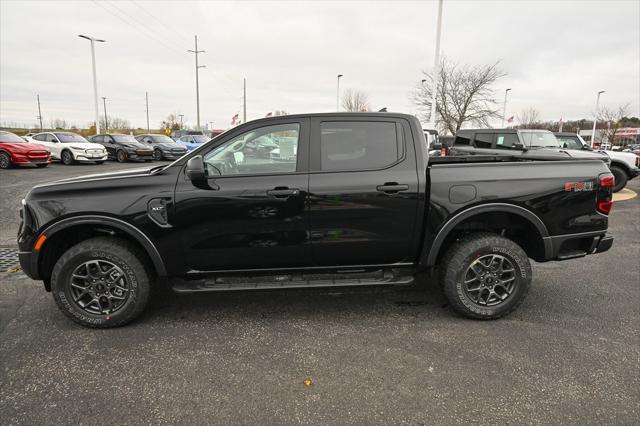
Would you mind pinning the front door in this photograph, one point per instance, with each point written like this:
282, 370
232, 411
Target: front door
363, 192
251, 213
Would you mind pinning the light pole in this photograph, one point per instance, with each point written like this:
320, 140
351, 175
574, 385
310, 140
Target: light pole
39, 113
95, 81
504, 107
181, 116
436, 68
146, 96
106, 120
197, 82
338, 94
595, 119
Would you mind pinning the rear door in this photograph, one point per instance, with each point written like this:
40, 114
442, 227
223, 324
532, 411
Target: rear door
363, 191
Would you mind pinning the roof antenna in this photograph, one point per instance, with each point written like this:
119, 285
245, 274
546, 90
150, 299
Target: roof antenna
383, 109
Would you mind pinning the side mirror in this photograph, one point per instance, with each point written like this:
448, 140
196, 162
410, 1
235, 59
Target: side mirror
195, 169
518, 146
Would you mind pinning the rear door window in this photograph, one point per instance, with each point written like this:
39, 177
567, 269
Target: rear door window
483, 140
358, 145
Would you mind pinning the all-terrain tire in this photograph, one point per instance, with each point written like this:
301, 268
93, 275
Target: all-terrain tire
127, 257
621, 178
482, 247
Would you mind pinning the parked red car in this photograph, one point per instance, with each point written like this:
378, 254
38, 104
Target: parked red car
16, 151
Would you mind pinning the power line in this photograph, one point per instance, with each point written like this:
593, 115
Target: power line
144, 24
137, 28
185, 39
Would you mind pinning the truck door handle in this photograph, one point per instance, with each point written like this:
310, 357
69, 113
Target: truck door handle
283, 192
392, 187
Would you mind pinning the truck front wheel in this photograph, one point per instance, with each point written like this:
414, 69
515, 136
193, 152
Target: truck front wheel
485, 276
101, 282
620, 176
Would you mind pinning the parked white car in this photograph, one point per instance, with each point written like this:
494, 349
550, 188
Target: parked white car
624, 165
70, 147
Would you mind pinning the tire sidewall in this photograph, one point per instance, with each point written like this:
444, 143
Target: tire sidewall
121, 156
157, 154
522, 274
7, 164
67, 158
61, 288
620, 176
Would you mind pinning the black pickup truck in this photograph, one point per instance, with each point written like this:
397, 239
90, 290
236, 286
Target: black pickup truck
346, 199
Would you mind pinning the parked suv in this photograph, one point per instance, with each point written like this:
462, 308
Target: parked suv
164, 148
70, 147
354, 201
124, 147
624, 165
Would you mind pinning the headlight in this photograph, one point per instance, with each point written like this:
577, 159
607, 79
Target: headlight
75, 147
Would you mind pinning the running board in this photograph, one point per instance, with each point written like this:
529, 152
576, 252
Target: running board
285, 281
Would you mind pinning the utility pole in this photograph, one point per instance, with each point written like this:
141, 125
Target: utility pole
338, 94
436, 68
95, 81
504, 107
39, 113
146, 95
595, 119
106, 120
181, 116
244, 100
196, 51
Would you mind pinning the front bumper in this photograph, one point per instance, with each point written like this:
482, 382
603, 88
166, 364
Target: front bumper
89, 158
140, 155
634, 172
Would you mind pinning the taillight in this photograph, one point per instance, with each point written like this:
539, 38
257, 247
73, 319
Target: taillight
443, 152
604, 207
606, 180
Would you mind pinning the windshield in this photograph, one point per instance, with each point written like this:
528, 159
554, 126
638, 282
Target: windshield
124, 138
539, 140
70, 137
10, 138
161, 139
200, 139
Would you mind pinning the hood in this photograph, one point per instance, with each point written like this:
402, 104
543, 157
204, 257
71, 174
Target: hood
85, 145
567, 153
101, 176
27, 146
169, 145
136, 145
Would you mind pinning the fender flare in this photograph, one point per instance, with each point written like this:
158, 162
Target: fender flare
119, 224
487, 208
624, 166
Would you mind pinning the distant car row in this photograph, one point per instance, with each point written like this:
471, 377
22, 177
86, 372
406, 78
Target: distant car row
535, 144
41, 148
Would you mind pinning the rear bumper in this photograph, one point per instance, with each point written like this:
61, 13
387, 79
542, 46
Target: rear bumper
571, 246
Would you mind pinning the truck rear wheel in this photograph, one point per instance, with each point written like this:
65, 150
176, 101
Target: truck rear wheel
102, 282
485, 276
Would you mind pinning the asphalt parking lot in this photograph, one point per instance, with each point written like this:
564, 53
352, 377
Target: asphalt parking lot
569, 355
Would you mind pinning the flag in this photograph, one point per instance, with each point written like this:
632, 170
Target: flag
510, 119
269, 114
235, 120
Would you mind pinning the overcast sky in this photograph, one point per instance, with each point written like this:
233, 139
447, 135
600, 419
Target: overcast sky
557, 54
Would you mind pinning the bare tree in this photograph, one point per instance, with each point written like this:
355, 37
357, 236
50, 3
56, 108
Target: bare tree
355, 101
171, 122
528, 118
465, 95
58, 123
611, 119
115, 123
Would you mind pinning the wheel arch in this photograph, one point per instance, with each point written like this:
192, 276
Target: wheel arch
624, 166
65, 233
516, 217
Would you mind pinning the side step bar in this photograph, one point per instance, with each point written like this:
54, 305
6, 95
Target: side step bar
285, 281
